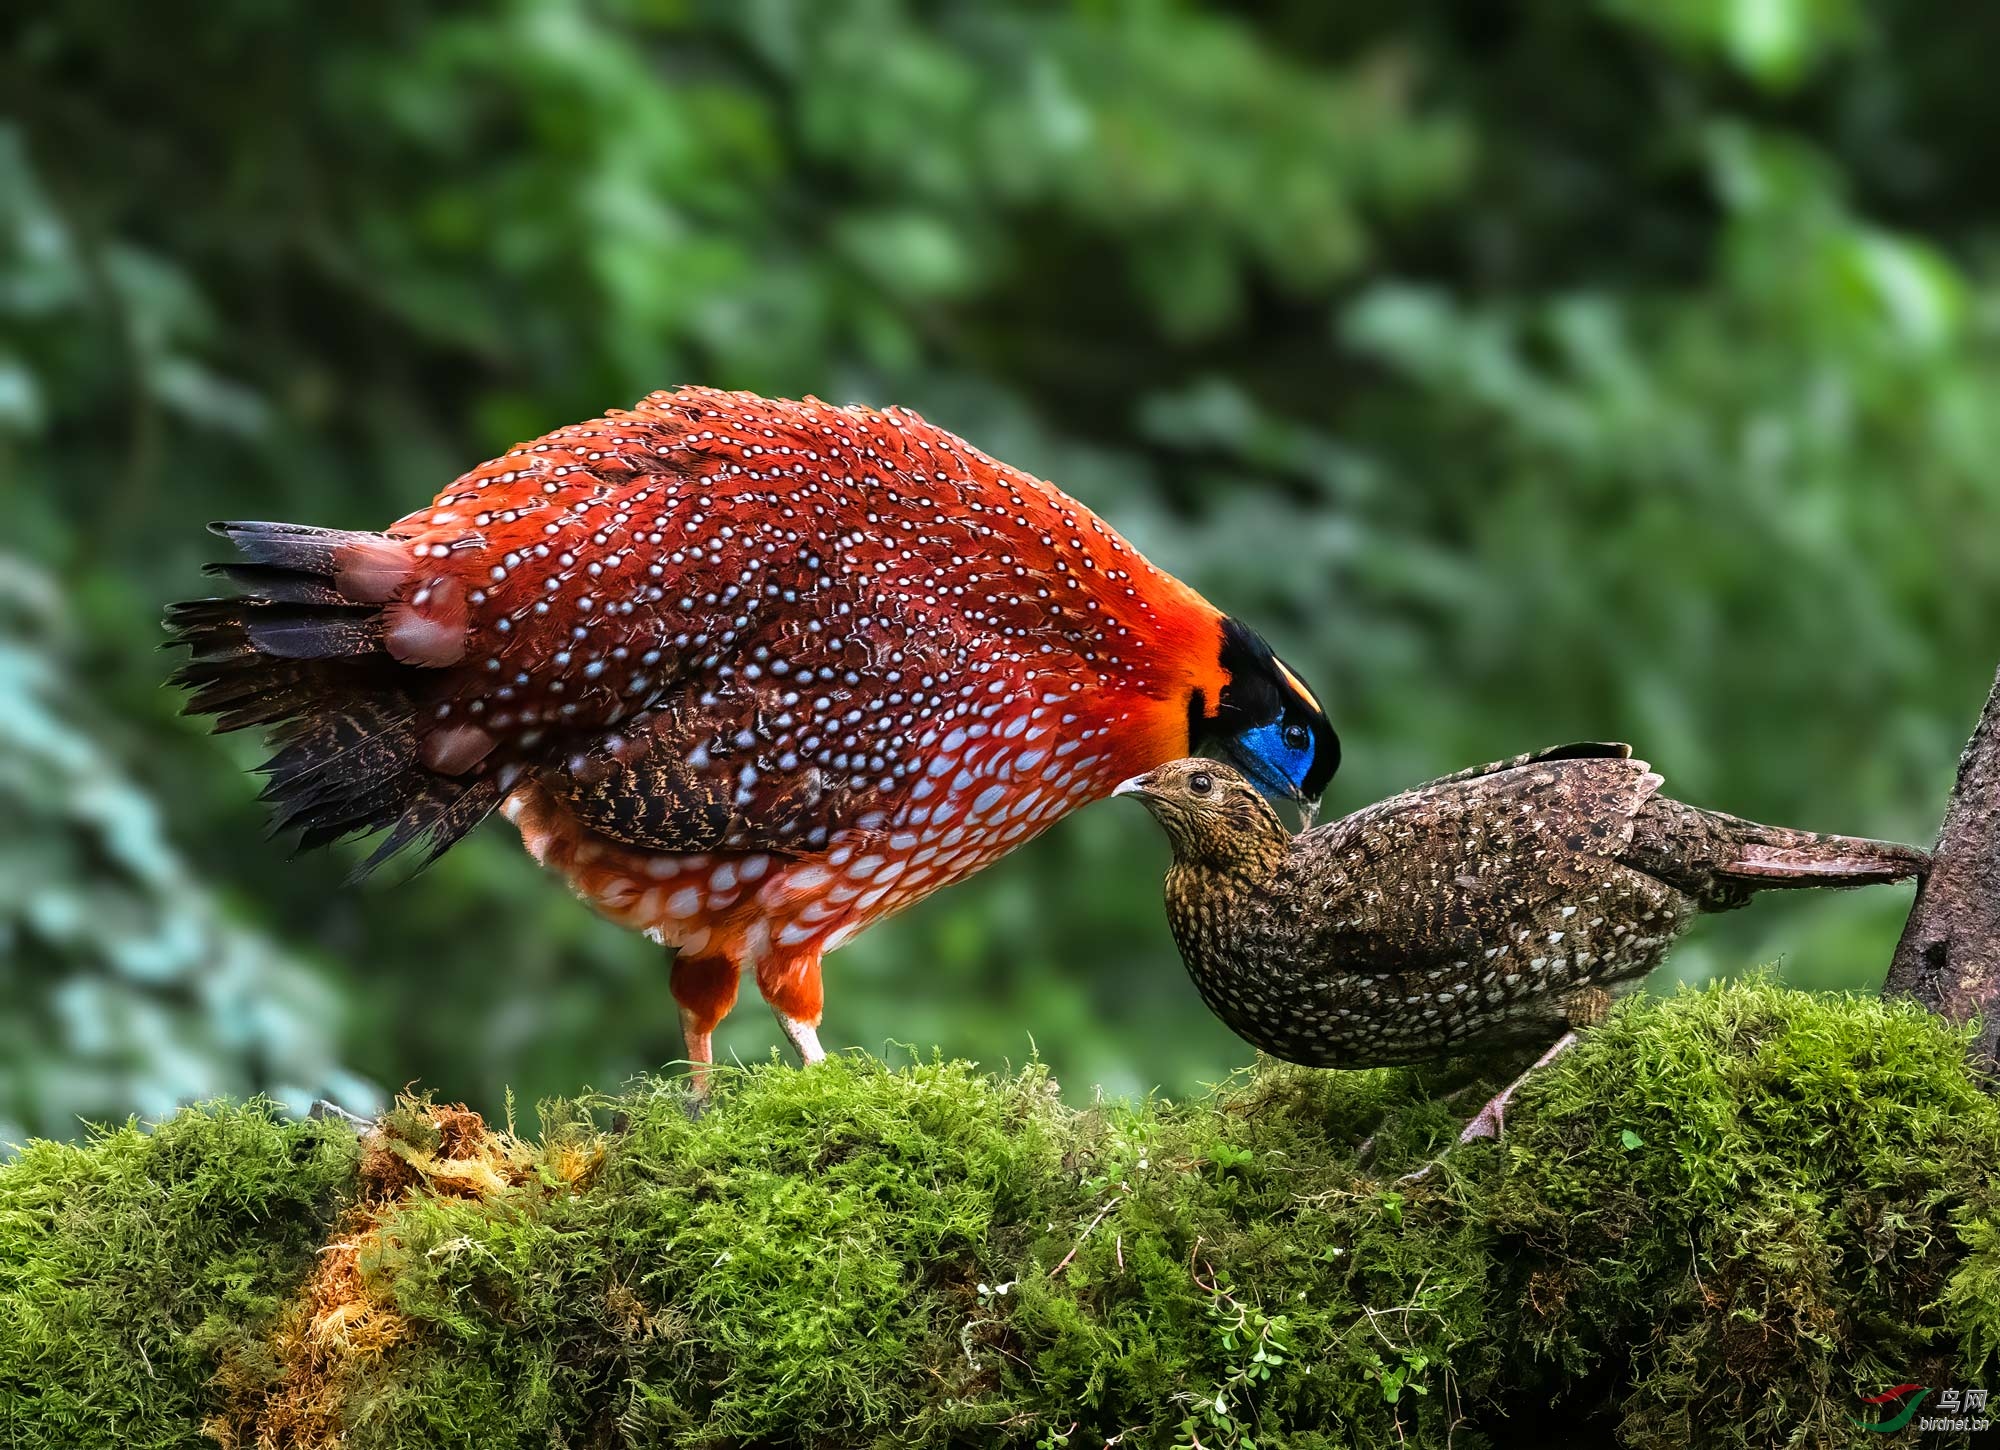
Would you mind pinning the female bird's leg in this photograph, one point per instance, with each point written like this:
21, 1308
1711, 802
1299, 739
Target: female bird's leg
705, 987
1489, 1120
792, 986
1585, 1007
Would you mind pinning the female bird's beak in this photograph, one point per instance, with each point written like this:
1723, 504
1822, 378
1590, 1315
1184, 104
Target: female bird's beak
1137, 785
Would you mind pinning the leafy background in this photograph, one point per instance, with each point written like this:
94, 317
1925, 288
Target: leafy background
1529, 371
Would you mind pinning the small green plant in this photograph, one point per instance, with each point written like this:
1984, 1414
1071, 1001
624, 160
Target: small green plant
1253, 1344
1402, 1374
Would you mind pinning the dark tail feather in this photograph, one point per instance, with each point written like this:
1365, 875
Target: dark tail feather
291, 652
1721, 859
1771, 856
296, 548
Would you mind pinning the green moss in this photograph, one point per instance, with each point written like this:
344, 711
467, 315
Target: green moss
1718, 1222
798, 1262
1759, 1203
129, 1266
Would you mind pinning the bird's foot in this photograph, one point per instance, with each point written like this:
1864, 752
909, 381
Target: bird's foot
327, 1111
701, 1066
1490, 1121
804, 1037
700, 1089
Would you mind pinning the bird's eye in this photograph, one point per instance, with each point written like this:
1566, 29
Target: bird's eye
1295, 736
1201, 783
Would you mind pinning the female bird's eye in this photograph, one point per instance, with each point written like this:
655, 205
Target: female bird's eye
1201, 783
1295, 736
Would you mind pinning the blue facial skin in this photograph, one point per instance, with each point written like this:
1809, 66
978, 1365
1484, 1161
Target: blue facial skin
1275, 768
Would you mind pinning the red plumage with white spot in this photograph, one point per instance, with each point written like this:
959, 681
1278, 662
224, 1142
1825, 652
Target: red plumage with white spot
749, 674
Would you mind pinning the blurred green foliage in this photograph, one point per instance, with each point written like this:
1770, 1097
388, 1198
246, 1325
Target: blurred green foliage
1530, 371
129, 987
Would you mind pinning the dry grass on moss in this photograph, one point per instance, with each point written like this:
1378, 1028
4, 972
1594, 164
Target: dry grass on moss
318, 1357
1717, 1223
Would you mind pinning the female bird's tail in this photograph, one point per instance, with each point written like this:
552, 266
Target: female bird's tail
1775, 856
1720, 859
303, 647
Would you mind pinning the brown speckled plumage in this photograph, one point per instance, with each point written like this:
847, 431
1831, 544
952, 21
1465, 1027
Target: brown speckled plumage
1492, 907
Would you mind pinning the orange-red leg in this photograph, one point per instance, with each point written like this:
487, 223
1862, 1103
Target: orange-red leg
705, 987
792, 986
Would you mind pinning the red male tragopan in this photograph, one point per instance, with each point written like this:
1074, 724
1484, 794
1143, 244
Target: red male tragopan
749, 674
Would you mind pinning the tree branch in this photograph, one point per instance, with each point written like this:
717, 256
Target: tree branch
1949, 957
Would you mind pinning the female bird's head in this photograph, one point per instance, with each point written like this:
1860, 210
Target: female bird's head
1262, 719
1213, 816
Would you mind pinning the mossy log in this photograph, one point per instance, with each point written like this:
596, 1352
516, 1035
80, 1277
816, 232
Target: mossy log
1721, 1221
